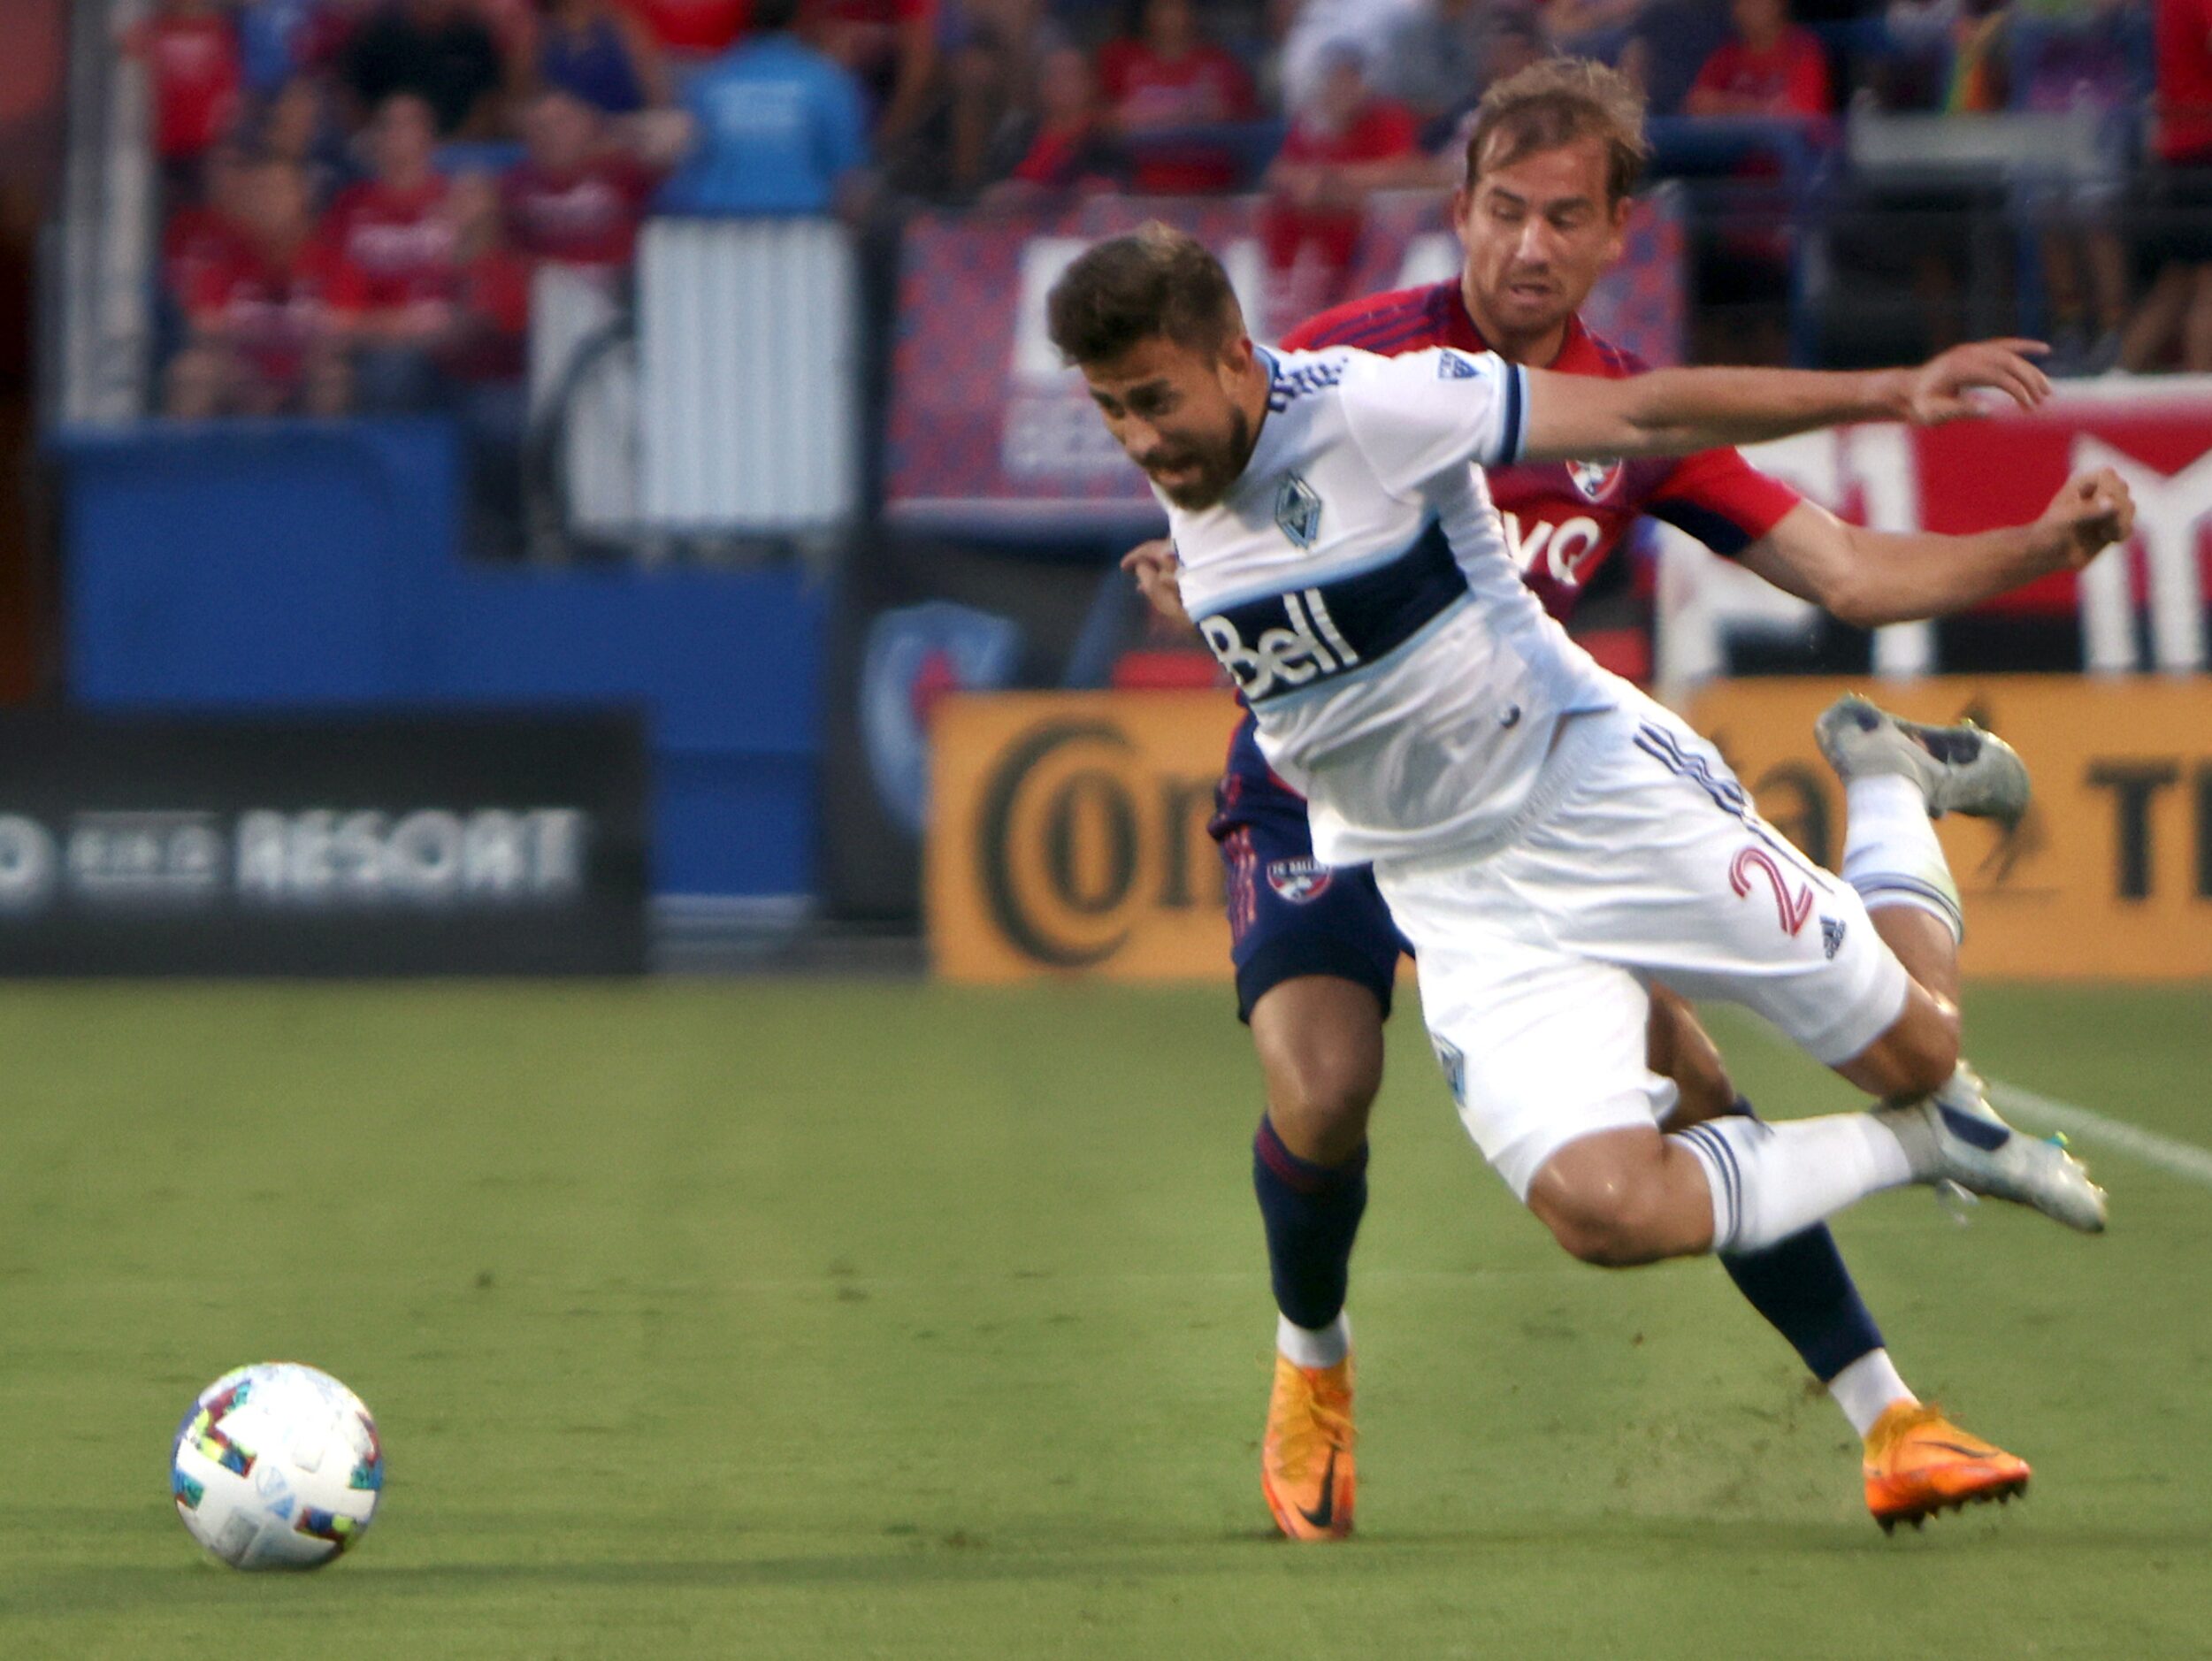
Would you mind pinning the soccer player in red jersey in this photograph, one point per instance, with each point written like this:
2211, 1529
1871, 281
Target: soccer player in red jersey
1554, 154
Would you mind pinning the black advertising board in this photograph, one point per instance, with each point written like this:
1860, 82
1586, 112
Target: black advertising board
335, 844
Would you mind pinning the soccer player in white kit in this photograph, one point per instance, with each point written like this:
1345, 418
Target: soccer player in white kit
1548, 838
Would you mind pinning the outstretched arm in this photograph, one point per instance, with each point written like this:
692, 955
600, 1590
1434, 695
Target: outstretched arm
1871, 577
1677, 411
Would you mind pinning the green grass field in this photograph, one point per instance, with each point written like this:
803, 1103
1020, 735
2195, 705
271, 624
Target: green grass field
823, 1319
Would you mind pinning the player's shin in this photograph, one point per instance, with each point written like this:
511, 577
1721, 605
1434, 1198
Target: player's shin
1769, 1182
1312, 1214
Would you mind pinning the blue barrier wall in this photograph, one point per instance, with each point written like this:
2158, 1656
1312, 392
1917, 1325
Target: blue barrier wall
296, 565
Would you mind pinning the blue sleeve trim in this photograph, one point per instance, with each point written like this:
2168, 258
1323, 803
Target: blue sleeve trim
1516, 415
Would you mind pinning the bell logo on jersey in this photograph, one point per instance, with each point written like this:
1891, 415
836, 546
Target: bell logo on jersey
1594, 479
1564, 548
1298, 880
1282, 658
1298, 511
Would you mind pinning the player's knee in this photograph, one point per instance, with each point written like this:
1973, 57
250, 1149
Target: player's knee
1613, 1239
1609, 1224
1319, 1100
1918, 1054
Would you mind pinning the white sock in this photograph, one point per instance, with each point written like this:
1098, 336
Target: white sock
1867, 1388
1769, 1181
1307, 1346
1890, 853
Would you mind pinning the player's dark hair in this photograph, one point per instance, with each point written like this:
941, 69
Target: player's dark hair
773, 16
1154, 281
1554, 104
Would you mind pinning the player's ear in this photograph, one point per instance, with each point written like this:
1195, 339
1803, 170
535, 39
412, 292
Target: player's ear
1462, 199
1617, 241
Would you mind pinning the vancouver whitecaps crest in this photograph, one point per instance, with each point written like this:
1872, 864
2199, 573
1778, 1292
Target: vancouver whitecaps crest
1298, 511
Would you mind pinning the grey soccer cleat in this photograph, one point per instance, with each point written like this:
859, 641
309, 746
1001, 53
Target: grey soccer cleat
1956, 1135
1959, 770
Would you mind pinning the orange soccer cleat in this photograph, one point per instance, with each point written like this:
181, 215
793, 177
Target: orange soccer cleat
1918, 1463
1305, 1459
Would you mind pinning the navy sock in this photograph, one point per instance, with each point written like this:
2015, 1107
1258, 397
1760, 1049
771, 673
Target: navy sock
1806, 1294
1311, 1213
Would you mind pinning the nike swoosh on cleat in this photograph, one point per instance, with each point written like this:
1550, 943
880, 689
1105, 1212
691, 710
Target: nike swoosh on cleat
1953, 1447
1325, 1515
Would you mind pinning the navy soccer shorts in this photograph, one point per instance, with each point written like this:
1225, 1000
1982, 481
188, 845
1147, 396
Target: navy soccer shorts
1288, 914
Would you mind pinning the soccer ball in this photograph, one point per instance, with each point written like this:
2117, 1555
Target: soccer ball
276, 1467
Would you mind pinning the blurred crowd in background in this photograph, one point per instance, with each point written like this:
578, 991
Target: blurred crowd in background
355, 191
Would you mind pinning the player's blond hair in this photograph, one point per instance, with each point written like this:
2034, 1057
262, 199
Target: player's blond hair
1553, 103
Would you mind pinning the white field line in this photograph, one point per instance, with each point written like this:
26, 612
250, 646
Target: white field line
2180, 1159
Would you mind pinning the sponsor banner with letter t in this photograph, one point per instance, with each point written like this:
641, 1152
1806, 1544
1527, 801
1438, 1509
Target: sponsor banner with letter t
339, 845
1067, 834
2108, 878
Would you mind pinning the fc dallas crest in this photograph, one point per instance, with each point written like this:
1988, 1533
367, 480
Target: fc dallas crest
1298, 880
1594, 479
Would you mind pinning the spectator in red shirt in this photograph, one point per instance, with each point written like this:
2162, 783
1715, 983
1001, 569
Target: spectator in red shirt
890, 47
394, 232
1344, 144
1170, 76
2178, 307
203, 234
1772, 68
1072, 149
192, 65
268, 318
296, 125
479, 360
487, 293
574, 198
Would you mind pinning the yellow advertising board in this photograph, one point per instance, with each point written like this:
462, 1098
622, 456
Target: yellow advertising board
2110, 876
1067, 835
1067, 830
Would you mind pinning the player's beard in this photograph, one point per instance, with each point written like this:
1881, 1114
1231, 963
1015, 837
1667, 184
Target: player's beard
1218, 469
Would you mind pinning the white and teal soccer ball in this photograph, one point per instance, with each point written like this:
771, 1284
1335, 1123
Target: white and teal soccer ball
277, 1466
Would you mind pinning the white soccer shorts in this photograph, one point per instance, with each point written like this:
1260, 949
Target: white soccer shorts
1649, 864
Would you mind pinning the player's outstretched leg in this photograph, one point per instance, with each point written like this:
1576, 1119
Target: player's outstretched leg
1319, 1042
1799, 1285
1897, 777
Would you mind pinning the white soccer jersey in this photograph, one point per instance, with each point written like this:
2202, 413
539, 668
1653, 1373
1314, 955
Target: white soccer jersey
1356, 583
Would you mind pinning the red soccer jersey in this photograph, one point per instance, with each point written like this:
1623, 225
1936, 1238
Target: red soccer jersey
587, 217
192, 64
1564, 519
401, 241
1146, 91
1790, 77
2184, 80
271, 311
